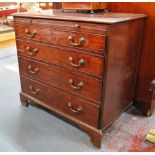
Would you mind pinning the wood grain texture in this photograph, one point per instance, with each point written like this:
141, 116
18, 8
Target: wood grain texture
59, 100
61, 25
121, 68
60, 56
109, 74
94, 133
147, 62
84, 5
60, 79
92, 42
104, 18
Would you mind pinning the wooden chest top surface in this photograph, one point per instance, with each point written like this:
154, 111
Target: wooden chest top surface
104, 17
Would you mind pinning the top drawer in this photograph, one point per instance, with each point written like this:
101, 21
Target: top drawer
60, 24
86, 41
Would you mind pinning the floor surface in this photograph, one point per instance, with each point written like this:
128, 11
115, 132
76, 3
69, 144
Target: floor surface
33, 129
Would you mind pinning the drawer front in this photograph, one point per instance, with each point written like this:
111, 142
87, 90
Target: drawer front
63, 25
33, 33
75, 83
66, 58
68, 104
91, 42
86, 41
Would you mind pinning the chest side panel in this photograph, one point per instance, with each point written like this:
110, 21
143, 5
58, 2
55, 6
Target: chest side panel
121, 68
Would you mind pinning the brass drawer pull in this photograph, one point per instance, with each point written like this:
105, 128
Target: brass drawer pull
30, 35
79, 86
31, 51
71, 39
81, 62
79, 109
33, 71
33, 91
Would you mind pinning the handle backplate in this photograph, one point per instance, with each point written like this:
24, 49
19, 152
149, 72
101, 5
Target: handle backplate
33, 70
80, 63
78, 87
80, 43
33, 91
77, 110
31, 51
30, 35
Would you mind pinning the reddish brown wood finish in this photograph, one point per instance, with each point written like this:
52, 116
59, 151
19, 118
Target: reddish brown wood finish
95, 135
109, 73
91, 42
100, 18
60, 24
60, 56
146, 70
59, 100
57, 5
121, 68
42, 34
60, 78
84, 5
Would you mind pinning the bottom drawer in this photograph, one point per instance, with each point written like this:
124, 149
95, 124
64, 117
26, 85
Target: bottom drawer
61, 101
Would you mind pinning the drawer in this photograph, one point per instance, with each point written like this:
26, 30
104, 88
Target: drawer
71, 82
34, 33
63, 25
66, 58
86, 41
61, 101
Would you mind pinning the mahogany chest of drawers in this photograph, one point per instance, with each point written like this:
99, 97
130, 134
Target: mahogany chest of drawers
81, 66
